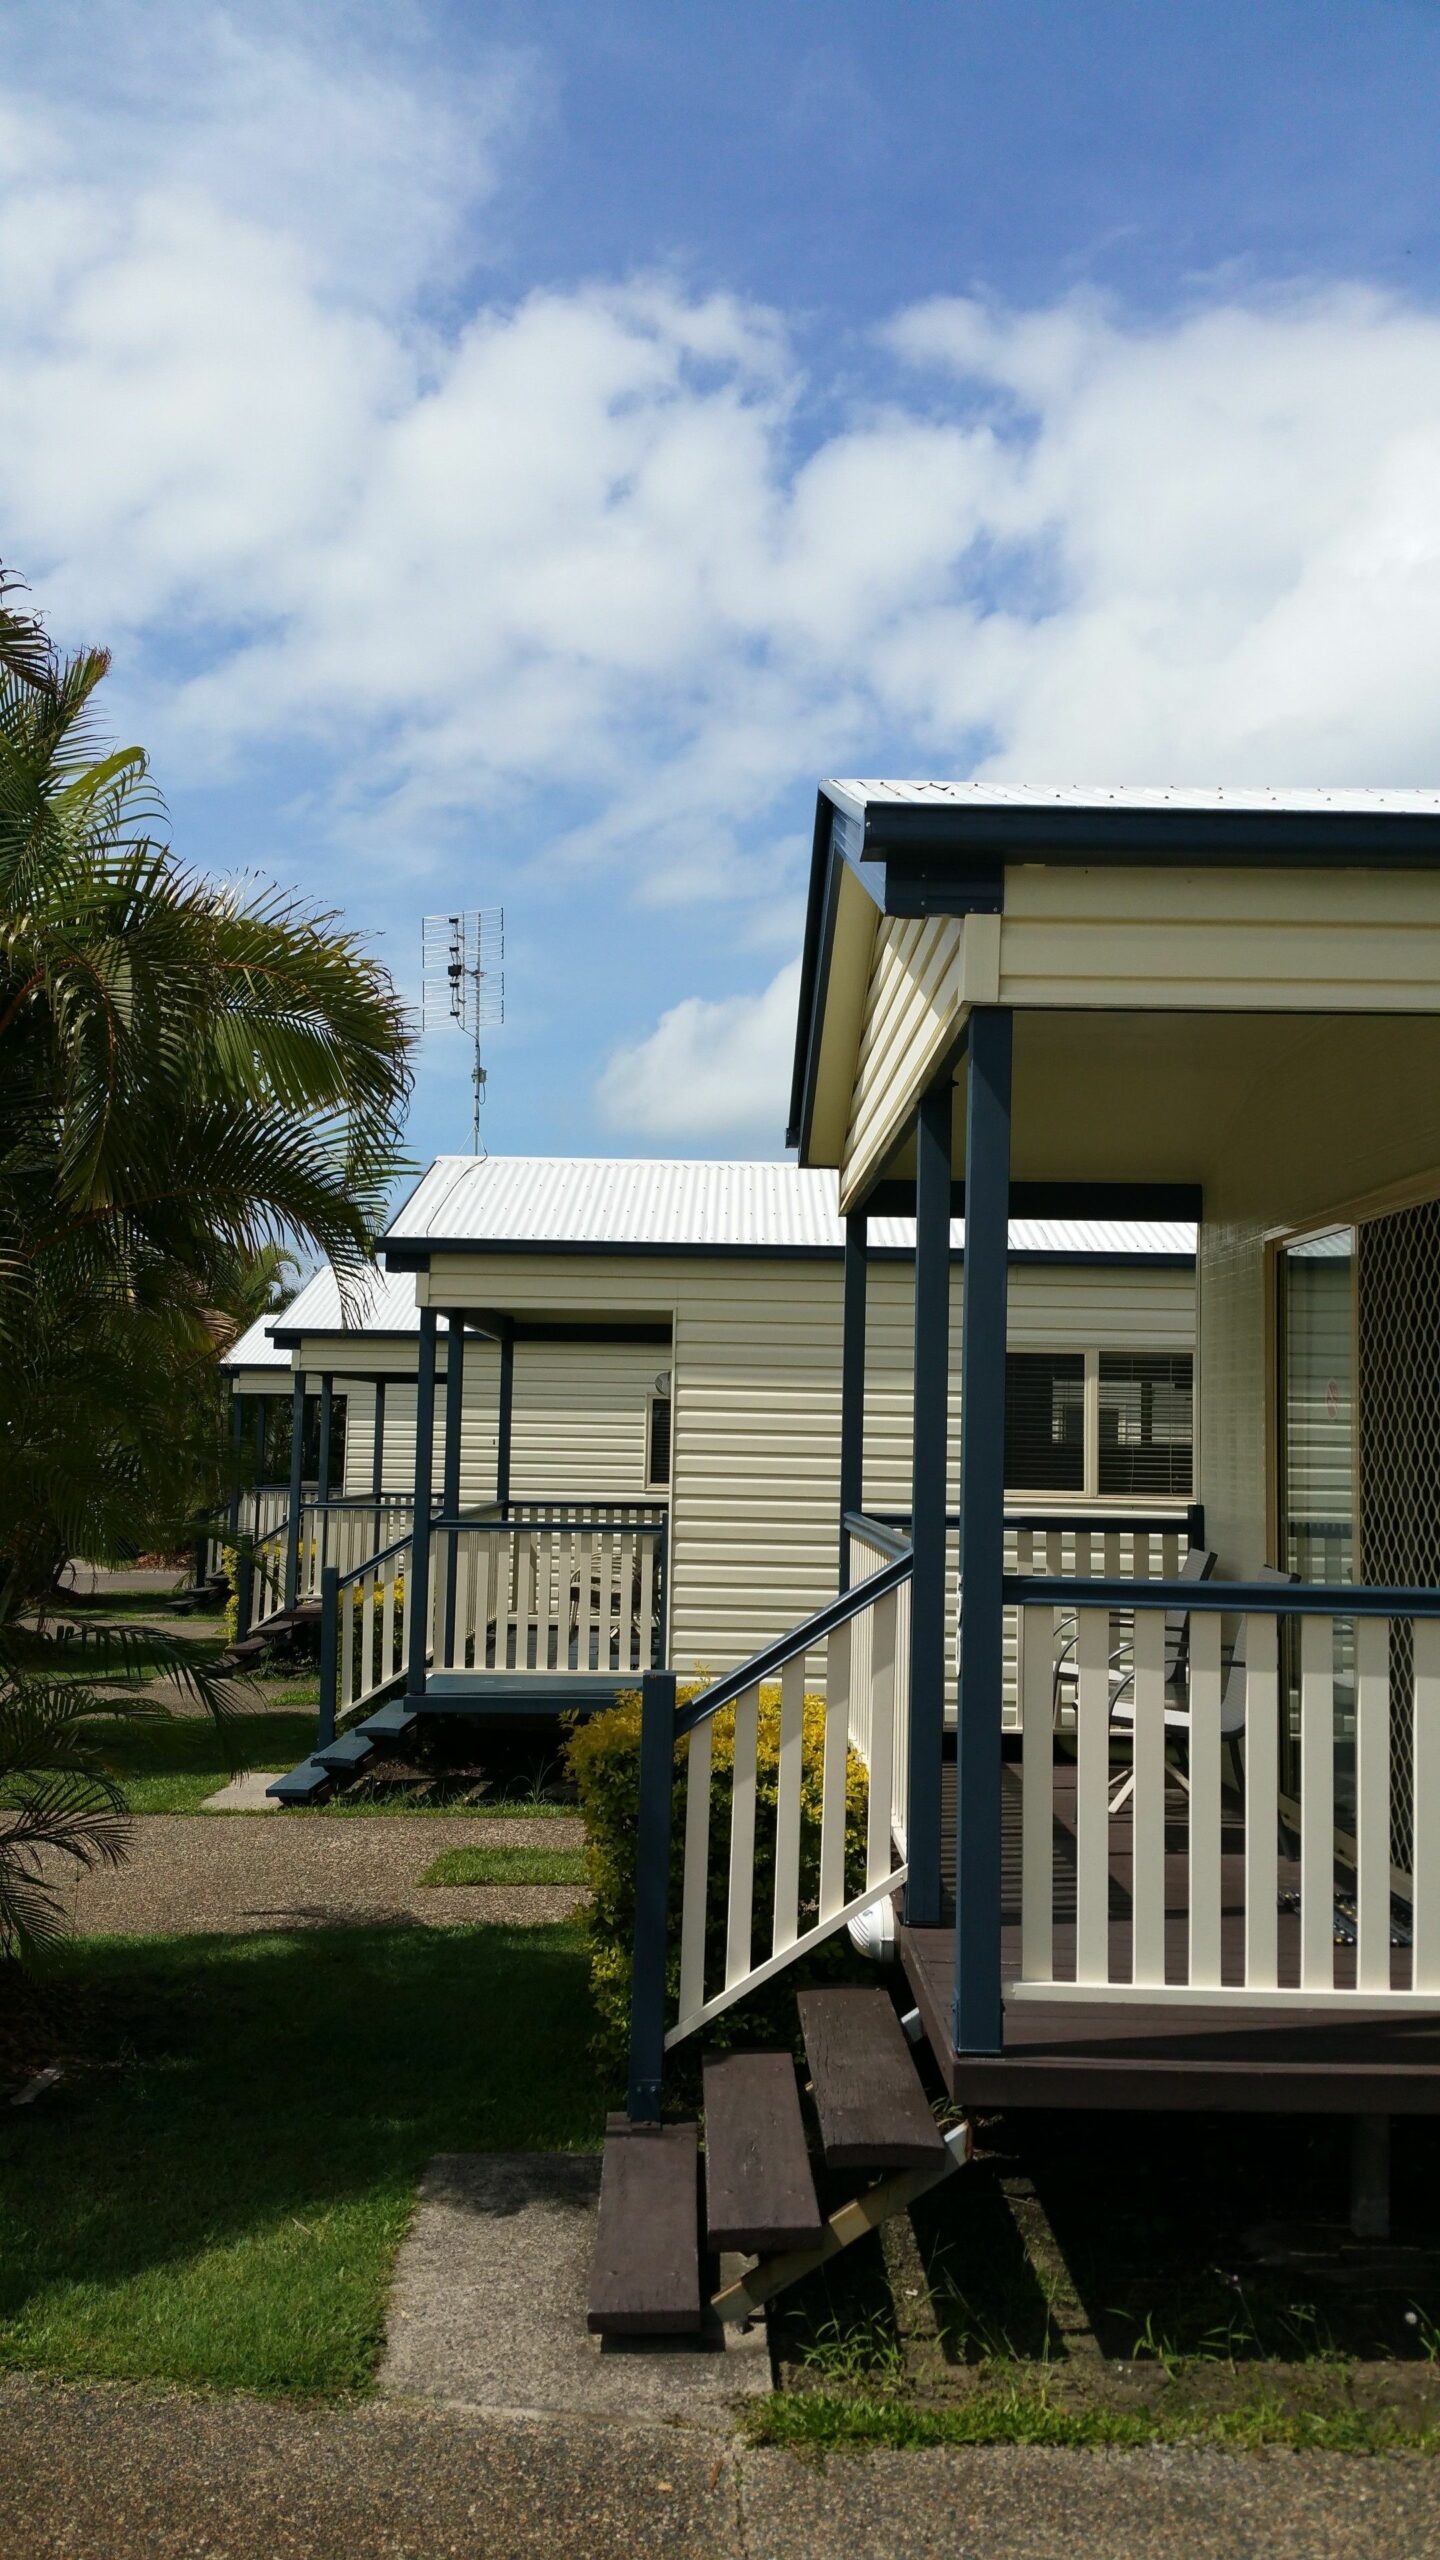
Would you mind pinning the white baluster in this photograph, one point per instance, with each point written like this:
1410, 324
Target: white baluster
695, 1885
787, 1808
1148, 1800
1037, 1811
1205, 1810
1317, 1804
739, 1918
1092, 1799
832, 1798
878, 1861
1372, 1807
1425, 1854
1262, 1737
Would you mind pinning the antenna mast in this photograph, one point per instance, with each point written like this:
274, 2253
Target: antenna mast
464, 983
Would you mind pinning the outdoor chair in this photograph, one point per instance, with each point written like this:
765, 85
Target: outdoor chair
1177, 1700
1198, 1566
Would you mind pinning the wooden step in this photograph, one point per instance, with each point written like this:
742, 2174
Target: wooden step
645, 2275
873, 2112
759, 2192
347, 1753
392, 1722
302, 1785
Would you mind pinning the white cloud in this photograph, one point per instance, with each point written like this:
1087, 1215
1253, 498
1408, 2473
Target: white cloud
264, 418
710, 1068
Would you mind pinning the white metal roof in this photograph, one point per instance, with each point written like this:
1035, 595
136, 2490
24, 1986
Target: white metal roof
1079, 795
253, 1349
627, 1201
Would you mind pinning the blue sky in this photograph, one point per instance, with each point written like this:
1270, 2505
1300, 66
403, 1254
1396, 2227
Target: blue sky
513, 451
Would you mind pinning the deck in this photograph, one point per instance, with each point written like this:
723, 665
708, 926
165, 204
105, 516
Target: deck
1075, 2052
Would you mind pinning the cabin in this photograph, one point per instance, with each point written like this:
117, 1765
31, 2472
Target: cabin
627, 1377
1199, 1864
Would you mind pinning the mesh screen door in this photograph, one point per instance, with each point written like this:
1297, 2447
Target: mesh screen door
1398, 1456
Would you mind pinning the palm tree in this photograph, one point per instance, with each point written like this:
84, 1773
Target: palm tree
195, 1078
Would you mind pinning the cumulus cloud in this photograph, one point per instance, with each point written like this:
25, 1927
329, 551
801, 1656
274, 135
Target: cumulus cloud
623, 565
712, 1067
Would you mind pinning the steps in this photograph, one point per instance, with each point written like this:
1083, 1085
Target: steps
871, 2114
345, 1755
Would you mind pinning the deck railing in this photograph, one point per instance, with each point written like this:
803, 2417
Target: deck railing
733, 1932
550, 1587
362, 1632
1199, 1875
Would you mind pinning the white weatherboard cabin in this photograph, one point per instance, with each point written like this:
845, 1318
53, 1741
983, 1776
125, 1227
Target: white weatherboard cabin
1206, 1870
634, 1443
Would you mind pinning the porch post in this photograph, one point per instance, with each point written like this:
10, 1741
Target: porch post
454, 1408
237, 1446
297, 1488
327, 1416
417, 1590
929, 1439
262, 1409
506, 1417
982, 1533
852, 1382
377, 1447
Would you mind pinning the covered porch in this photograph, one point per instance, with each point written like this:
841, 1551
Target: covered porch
1206, 1868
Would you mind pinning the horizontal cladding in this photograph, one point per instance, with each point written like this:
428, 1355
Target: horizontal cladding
1280, 941
909, 1009
756, 1454
578, 1423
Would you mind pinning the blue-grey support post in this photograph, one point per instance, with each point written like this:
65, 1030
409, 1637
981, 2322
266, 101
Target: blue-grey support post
652, 1895
454, 1416
417, 1587
377, 1451
978, 2009
297, 1489
506, 1417
262, 1408
244, 1593
237, 1463
852, 1382
327, 1416
929, 1596
329, 1652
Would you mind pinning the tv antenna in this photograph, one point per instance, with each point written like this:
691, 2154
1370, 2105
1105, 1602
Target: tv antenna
464, 983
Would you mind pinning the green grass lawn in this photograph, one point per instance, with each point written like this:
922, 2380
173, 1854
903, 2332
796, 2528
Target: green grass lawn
507, 1866
172, 1764
220, 2205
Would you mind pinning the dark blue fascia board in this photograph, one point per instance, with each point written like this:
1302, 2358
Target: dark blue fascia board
963, 838
894, 1197
787, 1252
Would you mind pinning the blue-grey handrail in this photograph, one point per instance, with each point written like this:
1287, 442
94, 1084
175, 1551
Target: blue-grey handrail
1144, 1524
802, 1639
382, 1555
878, 1530
1259, 1599
495, 1515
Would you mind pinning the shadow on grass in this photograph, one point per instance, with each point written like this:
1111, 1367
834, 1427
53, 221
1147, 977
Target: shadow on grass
219, 2198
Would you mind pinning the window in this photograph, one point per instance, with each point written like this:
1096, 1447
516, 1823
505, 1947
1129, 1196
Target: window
1118, 1424
657, 1441
1147, 1428
1045, 1421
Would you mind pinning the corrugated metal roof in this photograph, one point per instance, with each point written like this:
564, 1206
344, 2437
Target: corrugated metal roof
631, 1200
253, 1349
1076, 795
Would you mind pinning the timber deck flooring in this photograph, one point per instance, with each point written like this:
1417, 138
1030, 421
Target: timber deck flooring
1130, 2053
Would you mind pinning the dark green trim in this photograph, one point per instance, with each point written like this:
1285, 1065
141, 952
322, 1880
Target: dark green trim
1182, 1202
954, 839
989, 1051
297, 1490
813, 1252
450, 1479
929, 1449
505, 1417
377, 1442
852, 1383
417, 1590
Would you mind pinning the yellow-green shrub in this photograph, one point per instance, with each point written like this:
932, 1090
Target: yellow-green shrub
603, 1758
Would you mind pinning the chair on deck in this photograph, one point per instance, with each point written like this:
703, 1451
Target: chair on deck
1177, 1700
1198, 1566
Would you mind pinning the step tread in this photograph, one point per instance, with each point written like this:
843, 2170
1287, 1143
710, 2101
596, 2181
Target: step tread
873, 2112
759, 2189
645, 2274
347, 1751
391, 1723
302, 1785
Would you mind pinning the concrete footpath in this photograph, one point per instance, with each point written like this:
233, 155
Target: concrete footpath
108, 2474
